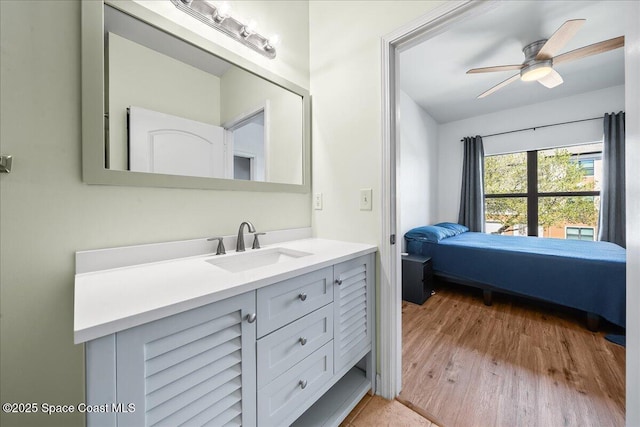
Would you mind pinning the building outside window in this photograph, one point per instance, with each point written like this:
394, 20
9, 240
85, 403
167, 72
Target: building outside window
545, 193
588, 166
580, 233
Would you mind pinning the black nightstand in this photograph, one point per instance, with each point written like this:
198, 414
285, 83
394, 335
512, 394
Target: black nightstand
417, 278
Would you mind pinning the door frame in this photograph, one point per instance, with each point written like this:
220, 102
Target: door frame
436, 21
231, 125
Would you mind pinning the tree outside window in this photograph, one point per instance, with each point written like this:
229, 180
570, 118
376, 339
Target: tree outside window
540, 193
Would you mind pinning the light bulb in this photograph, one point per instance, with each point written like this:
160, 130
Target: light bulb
249, 29
224, 10
535, 72
272, 42
221, 13
252, 26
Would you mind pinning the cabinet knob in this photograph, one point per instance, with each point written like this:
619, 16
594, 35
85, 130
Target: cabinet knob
303, 340
302, 296
338, 282
303, 384
251, 317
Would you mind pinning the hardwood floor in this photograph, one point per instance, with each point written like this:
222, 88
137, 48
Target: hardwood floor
515, 363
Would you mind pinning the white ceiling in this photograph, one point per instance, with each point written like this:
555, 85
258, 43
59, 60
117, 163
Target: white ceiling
433, 73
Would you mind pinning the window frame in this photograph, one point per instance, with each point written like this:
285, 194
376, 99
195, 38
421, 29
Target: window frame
532, 195
580, 228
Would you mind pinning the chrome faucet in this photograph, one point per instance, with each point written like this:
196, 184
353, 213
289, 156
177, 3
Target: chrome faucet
240, 243
220, 250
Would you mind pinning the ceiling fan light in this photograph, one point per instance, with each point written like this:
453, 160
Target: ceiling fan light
535, 71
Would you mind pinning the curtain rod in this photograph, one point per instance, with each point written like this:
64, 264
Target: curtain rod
538, 127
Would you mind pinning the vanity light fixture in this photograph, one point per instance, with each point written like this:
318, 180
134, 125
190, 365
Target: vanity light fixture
218, 17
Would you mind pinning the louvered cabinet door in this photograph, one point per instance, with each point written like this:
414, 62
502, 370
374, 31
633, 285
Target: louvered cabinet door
352, 327
194, 368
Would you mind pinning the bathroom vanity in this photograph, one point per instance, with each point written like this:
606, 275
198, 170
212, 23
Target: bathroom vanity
269, 337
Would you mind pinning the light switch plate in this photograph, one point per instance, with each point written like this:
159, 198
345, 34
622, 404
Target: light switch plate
365, 199
317, 201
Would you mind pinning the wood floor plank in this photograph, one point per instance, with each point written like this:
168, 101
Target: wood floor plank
510, 364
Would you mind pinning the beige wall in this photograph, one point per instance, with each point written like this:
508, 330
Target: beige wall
47, 213
345, 39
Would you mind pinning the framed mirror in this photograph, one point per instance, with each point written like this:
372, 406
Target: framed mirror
165, 107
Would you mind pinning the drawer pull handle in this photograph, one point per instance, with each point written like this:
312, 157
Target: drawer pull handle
251, 317
302, 296
339, 282
303, 340
303, 384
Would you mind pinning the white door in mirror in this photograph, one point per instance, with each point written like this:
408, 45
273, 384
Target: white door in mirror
163, 143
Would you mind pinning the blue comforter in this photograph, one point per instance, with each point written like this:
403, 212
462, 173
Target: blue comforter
589, 276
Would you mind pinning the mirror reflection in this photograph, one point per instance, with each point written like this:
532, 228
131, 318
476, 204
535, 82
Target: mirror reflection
173, 108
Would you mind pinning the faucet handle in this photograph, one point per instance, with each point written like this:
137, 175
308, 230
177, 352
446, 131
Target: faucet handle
256, 243
220, 250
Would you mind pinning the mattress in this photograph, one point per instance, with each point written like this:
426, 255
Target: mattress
589, 276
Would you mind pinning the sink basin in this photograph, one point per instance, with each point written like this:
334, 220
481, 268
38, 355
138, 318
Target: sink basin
243, 261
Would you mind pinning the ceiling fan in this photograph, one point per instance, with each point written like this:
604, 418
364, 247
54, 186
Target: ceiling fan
540, 57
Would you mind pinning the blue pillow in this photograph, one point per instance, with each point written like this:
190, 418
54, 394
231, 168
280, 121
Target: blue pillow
429, 233
457, 228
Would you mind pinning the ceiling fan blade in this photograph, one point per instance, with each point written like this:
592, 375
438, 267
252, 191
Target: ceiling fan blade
560, 38
499, 86
496, 68
592, 49
551, 80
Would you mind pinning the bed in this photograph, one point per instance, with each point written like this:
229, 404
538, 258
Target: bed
589, 276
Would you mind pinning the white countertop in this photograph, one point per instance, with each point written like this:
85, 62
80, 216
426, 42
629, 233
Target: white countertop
112, 300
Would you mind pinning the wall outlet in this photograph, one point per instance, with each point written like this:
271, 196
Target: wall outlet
317, 201
365, 199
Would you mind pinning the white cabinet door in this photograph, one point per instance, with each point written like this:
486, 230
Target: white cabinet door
353, 302
196, 367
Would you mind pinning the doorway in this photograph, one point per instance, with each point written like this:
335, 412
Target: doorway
437, 21
247, 138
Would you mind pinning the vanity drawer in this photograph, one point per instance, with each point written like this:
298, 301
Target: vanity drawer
291, 299
287, 346
288, 395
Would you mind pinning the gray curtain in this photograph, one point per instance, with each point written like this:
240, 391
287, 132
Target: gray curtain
612, 204
472, 194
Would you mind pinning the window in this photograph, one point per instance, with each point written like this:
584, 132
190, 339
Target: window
580, 233
545, 193
589, 161
587, 166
